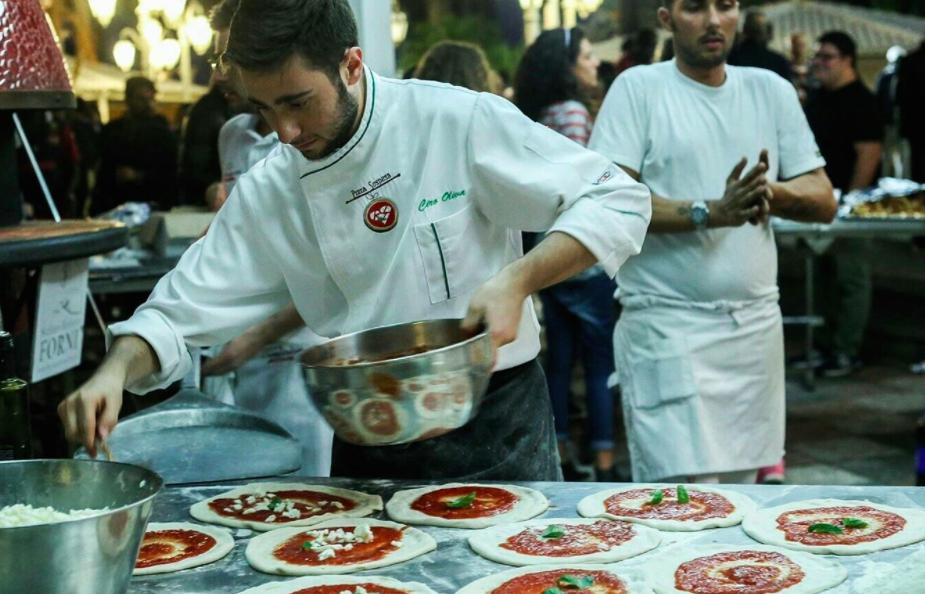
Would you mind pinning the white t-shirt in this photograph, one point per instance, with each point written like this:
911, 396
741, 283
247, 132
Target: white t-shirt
240, 147
684, 138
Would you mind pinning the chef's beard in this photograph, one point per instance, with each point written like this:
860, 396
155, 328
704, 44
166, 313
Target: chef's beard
344, 120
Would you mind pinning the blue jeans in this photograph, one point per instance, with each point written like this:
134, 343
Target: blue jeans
580, 318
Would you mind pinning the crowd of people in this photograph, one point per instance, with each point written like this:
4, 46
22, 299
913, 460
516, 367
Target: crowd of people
700, 148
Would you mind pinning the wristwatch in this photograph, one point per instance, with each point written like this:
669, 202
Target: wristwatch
700, 214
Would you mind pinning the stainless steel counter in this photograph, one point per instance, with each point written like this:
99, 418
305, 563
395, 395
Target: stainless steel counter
453, 564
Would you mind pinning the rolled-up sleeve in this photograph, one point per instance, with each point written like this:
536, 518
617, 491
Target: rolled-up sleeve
224, 283
528, 177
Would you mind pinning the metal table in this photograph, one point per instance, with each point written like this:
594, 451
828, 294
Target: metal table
453, 564
814, 239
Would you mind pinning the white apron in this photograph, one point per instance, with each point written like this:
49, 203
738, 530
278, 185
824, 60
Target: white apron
703, 389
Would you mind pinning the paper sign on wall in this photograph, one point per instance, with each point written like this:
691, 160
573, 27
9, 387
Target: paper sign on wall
59, 319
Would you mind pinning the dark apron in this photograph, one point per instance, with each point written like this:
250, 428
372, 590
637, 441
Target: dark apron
512, 439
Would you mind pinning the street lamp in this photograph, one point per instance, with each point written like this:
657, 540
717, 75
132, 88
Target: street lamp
531, 10
103, 11
399, 24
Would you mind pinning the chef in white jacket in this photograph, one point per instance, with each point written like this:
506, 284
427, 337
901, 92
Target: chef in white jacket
386, 202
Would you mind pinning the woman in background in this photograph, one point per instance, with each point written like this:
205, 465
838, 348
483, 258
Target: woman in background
458, 63
555, 84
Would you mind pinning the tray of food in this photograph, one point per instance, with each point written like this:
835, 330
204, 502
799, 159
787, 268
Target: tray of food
893, 199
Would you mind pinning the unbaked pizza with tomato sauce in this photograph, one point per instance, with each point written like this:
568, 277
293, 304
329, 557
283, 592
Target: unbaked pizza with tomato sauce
557, 579
336, 546
266, 506
671, 508
726, 569
342, 584
557, 540
174, 546
469, 505
836, 527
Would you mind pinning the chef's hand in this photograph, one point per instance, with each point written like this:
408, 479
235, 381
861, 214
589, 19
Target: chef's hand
93, 409
498, 304
745, 198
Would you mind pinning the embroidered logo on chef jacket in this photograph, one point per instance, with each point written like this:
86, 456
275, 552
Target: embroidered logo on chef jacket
381, 215
604, 177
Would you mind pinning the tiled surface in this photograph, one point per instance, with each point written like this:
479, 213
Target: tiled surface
858, 430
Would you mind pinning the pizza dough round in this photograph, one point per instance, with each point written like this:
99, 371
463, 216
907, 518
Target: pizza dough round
488, 584
224, 543
593, 506
290, 586
260, 550
762, 526
529, 503
487, 542
365, 505
820, 574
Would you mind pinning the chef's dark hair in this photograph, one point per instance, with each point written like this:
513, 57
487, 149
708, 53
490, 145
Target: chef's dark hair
544, 75
222, 13
843, 42
266, 33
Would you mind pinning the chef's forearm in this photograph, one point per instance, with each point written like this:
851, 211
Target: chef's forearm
130, 359
558, 257
806, 198
280, 324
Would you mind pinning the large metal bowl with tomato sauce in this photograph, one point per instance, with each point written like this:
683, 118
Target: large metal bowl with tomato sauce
95, 553
398, 384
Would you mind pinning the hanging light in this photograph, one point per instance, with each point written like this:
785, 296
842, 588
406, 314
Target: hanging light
103, 11
152, 31
199, 33
166, 54
587, 7
124, 53
399, 24
173, 11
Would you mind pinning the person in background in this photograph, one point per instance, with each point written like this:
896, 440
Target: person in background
458, 63
699, 343
799, 64
910, 95
199, 165
638, 50
753, 49
845, 117
138, 161
555, 79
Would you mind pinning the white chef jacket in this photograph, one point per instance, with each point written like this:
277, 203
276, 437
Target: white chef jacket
466, 172
699, 346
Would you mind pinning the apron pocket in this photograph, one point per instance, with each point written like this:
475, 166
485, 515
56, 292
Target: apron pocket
666, 377
453, 264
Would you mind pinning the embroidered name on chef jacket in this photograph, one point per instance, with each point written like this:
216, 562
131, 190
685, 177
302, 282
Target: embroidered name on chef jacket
381, 215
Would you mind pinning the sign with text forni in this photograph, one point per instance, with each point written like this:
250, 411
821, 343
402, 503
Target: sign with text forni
59, 318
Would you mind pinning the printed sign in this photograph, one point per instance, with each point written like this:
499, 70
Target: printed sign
59, 319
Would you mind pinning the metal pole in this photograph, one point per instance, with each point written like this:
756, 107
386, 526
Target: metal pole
35, 167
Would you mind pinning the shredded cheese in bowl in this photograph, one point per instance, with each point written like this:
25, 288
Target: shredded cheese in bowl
19, 514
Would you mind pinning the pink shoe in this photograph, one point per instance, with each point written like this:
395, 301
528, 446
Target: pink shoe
772, 475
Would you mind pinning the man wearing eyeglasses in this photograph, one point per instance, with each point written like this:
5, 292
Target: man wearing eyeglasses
846, 119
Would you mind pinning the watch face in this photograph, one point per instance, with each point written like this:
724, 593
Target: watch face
699, 216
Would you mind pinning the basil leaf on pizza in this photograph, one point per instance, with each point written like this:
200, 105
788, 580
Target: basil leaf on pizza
553, 531
853, 523
553, 591
683, 496
461, 502
573, 582
823, 528
657, 496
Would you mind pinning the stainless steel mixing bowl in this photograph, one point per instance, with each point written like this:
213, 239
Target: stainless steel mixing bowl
92, 555
399, 384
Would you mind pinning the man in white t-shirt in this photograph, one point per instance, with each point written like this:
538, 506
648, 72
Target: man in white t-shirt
699, 346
